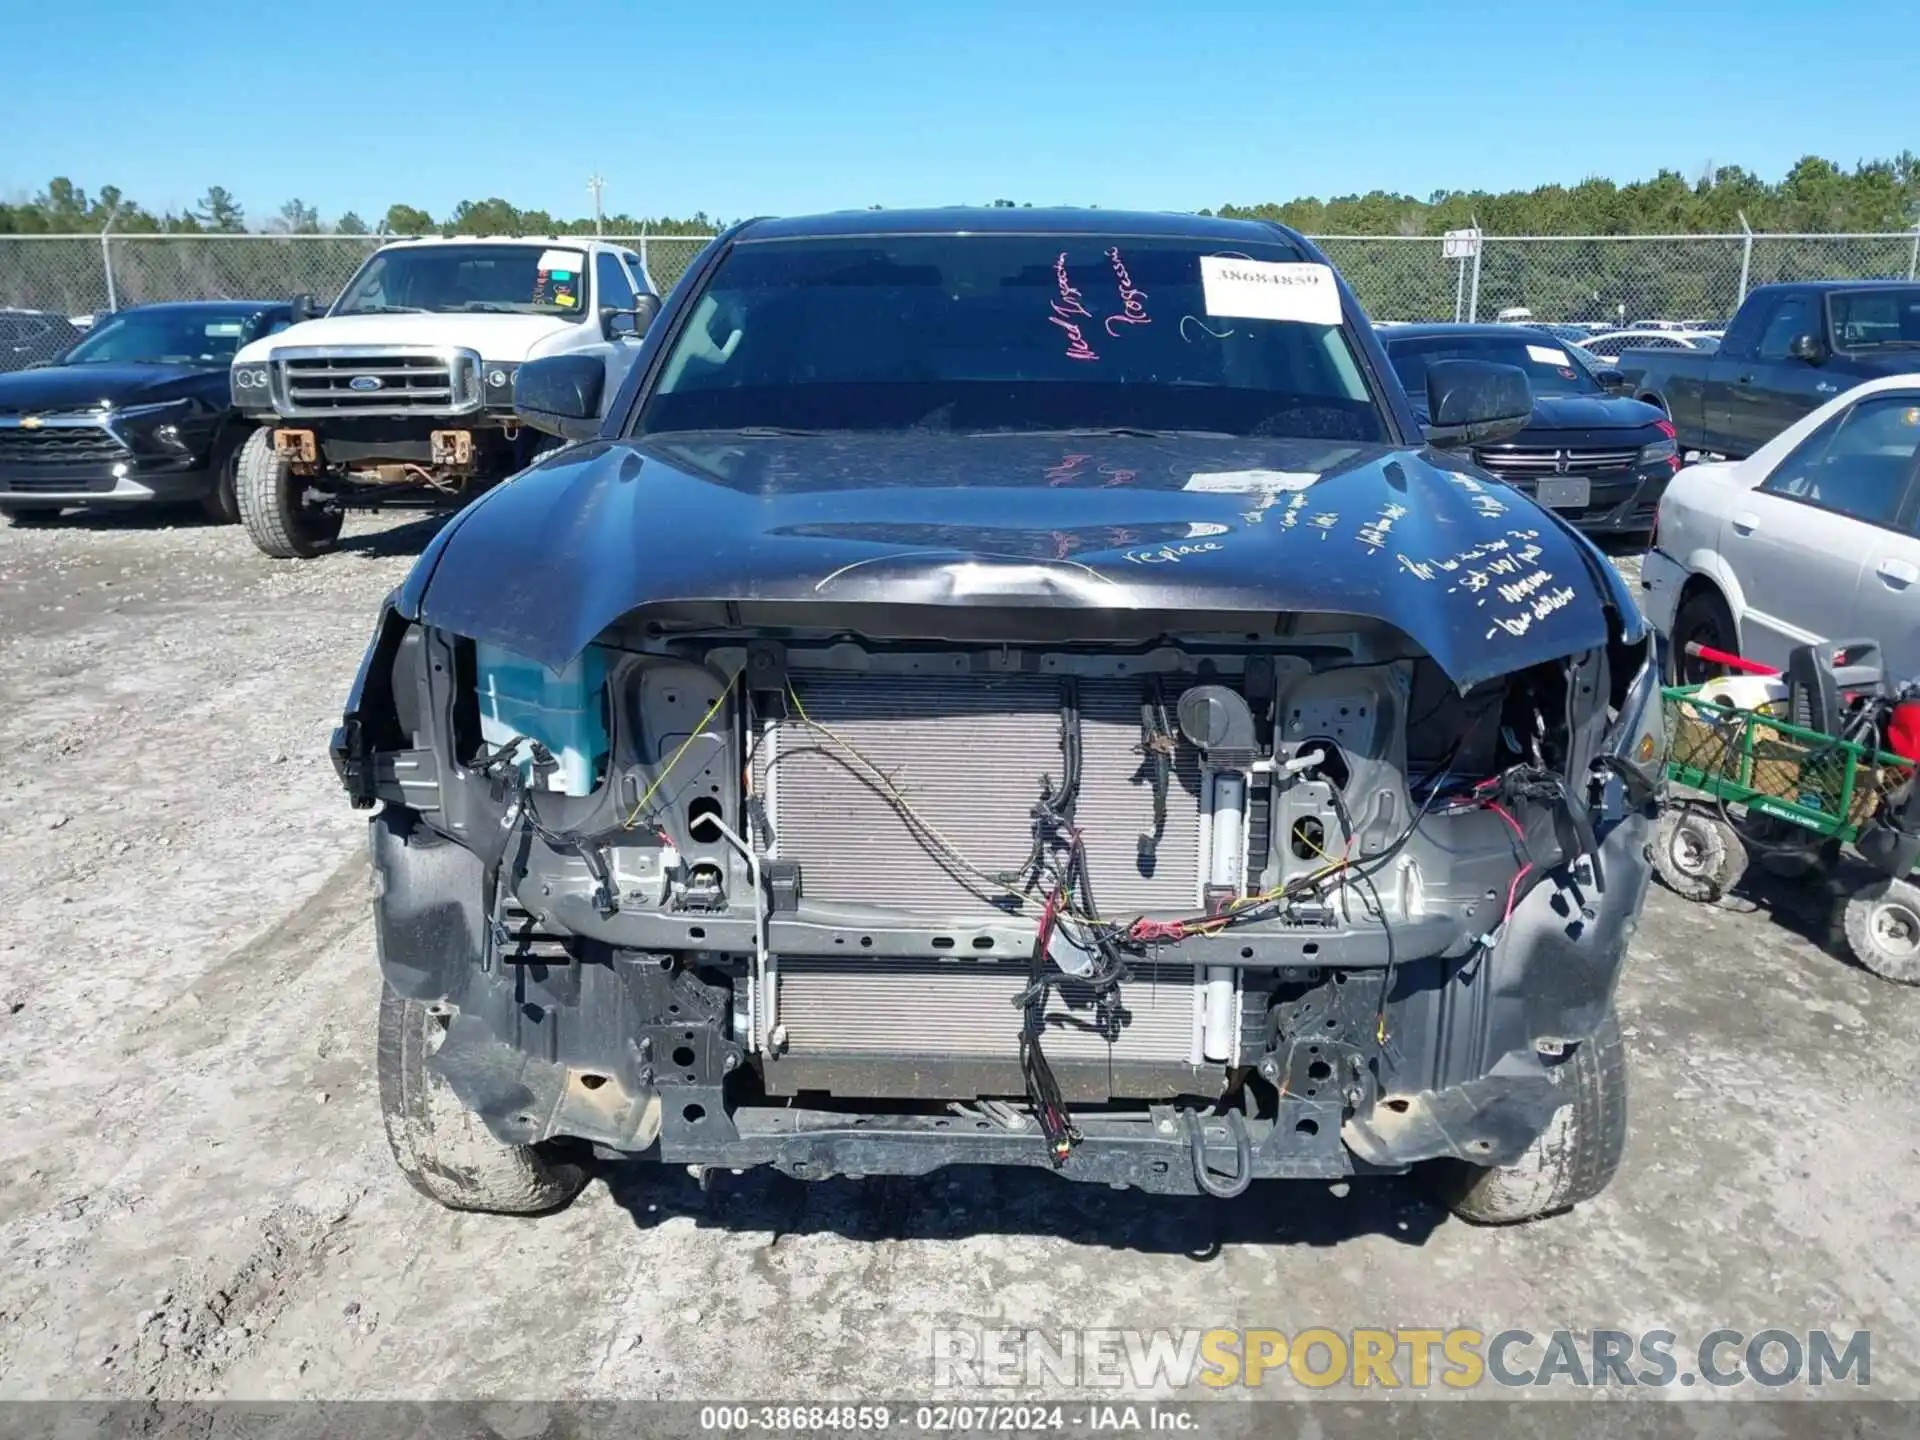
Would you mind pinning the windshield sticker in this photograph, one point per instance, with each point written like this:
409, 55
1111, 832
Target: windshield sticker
223, 327
564, 299
1547, 355
564, 262
1133, 303
1304, 294
1066, 309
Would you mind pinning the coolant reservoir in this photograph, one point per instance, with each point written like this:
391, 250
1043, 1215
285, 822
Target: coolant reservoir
565, 710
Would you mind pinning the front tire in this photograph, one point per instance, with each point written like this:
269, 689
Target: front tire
444, 1149
221, 504
273, 504
32, 517
1575, 1156
1703, 619
1882, 923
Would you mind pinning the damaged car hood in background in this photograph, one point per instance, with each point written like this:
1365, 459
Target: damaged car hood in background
1472, 571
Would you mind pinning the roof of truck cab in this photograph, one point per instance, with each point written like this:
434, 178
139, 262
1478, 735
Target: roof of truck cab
1004, 220
1465, 331
1822, 285
577, 241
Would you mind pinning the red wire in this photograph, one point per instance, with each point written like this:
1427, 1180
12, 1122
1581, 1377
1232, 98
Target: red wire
1513, 890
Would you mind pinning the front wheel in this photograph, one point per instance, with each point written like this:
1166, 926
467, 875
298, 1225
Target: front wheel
1703, 619
444, 1149
1575, 1156
1882, 923
221, 504
32, 516
273, 504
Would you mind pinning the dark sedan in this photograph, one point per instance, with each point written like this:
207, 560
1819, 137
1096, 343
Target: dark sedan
1599, 458
137, 412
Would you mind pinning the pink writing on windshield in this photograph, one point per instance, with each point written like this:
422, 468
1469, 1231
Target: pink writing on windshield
1067, 471
1066, 308
1133, 303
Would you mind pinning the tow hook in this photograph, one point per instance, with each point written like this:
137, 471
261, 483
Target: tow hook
451, 448
297, 446
1221, 1187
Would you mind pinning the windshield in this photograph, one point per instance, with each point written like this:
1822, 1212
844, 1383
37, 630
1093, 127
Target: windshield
1015, 333
161, 337
1551, 367
1876, 319
481, 279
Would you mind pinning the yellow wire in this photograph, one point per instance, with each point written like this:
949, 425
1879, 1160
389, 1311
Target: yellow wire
698, 731
953, 851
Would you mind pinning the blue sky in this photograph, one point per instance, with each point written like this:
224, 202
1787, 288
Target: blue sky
780, 106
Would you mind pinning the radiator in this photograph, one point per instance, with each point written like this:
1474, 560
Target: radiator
968, 752
966, 1008
951, 1028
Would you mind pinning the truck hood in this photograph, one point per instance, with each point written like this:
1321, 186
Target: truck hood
1472, 571
82, 387
1577, 412
496, 337
1591, 412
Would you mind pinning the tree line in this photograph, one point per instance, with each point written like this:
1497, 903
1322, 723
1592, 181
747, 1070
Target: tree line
64, 208
1816, 195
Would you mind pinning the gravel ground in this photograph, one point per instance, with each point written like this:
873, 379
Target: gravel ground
195, 1198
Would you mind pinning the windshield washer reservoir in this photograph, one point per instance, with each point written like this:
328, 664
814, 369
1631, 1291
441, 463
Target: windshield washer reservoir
565, 710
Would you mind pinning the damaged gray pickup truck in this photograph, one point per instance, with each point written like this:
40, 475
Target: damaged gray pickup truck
1008, 688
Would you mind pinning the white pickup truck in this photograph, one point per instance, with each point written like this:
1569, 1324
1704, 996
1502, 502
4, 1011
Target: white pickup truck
402, 392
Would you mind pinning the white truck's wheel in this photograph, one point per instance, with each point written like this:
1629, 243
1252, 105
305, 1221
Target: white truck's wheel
273, 504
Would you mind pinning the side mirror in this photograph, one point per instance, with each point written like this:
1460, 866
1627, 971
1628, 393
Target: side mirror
560, 395
1807, 348
302, 308
1612, 379
1474, 402
616, 323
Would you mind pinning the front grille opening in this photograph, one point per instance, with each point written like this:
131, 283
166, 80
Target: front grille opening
60, 446
376, 384
1538, 462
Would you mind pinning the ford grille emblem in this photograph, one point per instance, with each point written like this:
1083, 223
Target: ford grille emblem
365, 382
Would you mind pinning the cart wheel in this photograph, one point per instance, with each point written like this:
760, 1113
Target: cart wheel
1698, 856
1883, 929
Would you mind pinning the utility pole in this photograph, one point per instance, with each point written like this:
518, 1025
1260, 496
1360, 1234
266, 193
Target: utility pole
106, 258
595, 184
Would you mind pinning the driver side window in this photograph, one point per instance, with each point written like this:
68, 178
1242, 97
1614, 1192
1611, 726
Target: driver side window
1791, 318
616, 291
1857, 464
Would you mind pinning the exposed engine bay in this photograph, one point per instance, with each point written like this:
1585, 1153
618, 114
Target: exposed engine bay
1260, 896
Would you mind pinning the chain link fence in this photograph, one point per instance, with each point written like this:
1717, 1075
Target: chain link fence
1608, 278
